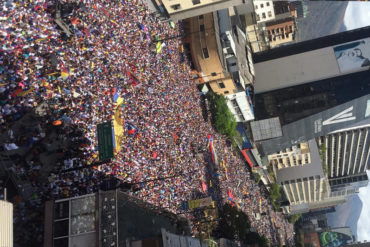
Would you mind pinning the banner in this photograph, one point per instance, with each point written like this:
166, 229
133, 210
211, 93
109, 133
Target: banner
105, 141
353, 55
198, 203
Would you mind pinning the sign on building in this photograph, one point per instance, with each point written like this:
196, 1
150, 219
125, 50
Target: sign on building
353, 55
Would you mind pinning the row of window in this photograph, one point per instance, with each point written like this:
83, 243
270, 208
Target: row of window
269, 13
262, 5
178, 6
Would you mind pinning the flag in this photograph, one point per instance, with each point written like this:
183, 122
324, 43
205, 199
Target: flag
116, 96
230, 195
212, 150
131, 129
158, 47
25, 92
134, 79
204, 187
64, 73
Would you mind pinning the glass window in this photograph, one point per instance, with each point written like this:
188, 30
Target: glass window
263, 15
196, 2
261, 5
256, 7
201, 28
267, 4
269, 14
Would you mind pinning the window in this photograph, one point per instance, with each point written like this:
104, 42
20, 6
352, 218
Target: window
269, 14
226, 92
258, 17
205, 53
201, 28
261, 5
213, 74
256, 7
196, 2
201, 17
263, 15
221, 85
267, 4
176, 6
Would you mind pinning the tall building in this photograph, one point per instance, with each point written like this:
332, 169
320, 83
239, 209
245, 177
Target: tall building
318, 92
110, 218
183, 9
6, 223
309, 88
345, 155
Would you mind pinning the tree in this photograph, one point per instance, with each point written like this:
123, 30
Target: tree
233, 224
222, 119
253, 238
293, 218
275, 196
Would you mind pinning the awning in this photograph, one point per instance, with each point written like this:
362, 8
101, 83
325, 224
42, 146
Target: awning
249, 158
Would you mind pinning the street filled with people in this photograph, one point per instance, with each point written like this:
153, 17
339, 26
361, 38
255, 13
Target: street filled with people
118, 50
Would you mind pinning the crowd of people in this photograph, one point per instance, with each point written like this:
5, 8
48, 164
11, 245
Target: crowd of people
114, 52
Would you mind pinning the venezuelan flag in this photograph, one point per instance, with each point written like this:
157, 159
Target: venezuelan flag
134, 78
212, 150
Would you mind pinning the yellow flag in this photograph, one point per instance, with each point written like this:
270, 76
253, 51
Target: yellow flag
158, 47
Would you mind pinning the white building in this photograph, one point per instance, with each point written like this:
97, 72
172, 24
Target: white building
6, 224
264, 11
240, 107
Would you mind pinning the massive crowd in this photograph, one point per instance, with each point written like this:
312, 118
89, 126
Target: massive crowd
113, 52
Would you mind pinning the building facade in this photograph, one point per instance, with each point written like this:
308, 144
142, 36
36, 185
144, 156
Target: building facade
183, 9
281, 31
105, 219
264, 10
6, 223
205, 48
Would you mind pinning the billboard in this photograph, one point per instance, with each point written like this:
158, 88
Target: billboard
350, 114
105, 141
334, 239
353, 55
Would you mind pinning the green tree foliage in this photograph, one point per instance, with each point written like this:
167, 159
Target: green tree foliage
233, 223
275, 196
222, 119
293, 218
253, 238
257, 177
